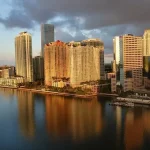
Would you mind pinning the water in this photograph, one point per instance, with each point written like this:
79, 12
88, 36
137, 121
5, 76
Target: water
39, 122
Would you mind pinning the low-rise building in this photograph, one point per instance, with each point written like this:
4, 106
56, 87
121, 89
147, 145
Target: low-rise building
112, 76
128, 84
14, 81
146, 82
146, 71
7, 71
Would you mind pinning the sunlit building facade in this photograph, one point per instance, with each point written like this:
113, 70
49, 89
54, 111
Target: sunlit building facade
146, 43
117, 47
23, 56
86, 61
131, 62
73, 63
56, 64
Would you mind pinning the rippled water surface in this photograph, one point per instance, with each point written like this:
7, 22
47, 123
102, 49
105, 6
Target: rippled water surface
44, 122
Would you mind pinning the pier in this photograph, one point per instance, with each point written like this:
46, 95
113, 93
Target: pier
132, 100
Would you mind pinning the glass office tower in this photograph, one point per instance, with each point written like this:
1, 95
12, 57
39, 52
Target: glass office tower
47, 35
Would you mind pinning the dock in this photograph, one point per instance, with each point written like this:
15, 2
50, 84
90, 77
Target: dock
132, 100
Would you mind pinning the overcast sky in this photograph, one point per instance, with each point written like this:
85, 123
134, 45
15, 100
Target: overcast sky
73, 20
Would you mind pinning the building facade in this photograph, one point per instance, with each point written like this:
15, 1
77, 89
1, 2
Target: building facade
117, 47
23, 56
146, 43
73, 63
146, 71
13, 81
38, 68
56, 63
86, 61
47, 35
131, 61
7, 72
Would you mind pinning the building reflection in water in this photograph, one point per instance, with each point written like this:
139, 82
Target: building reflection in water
118, 125
8, 93
135, 127
26, 113
77, 119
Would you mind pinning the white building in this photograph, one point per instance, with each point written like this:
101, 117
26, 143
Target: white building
23, 55
11, 81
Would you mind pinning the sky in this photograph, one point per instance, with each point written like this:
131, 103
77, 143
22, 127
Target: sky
73, 20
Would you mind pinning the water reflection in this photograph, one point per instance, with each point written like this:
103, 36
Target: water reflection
26, 113
136, 125
8, 93
118, 125
76, 119
62, 119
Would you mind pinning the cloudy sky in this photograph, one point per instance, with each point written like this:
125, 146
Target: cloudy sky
73, 20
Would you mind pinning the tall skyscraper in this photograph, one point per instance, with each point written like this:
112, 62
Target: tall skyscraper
146, 43
74, 62
47, 35
131, 62
116, 46
38, 68
86, 61
23, 56
56, 59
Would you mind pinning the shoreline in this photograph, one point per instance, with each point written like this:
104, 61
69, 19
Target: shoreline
61, 94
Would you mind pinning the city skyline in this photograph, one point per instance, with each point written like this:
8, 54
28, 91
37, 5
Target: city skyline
75, 26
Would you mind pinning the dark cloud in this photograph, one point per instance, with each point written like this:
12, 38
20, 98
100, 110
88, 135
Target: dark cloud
66, 37
17, 19
97, 13
102, 19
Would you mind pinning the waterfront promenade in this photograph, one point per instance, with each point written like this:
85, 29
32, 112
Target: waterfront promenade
87, 96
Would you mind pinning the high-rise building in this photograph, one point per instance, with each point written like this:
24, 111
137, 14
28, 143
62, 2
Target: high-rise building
23, 56
38, 68
73, 63
56, 59
146, 43
47, 35
86, 61
117, 45
131, 62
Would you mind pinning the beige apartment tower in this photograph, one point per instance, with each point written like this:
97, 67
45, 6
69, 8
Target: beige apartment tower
56, 62
131, 58
74, 62
86, 61
23, 56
